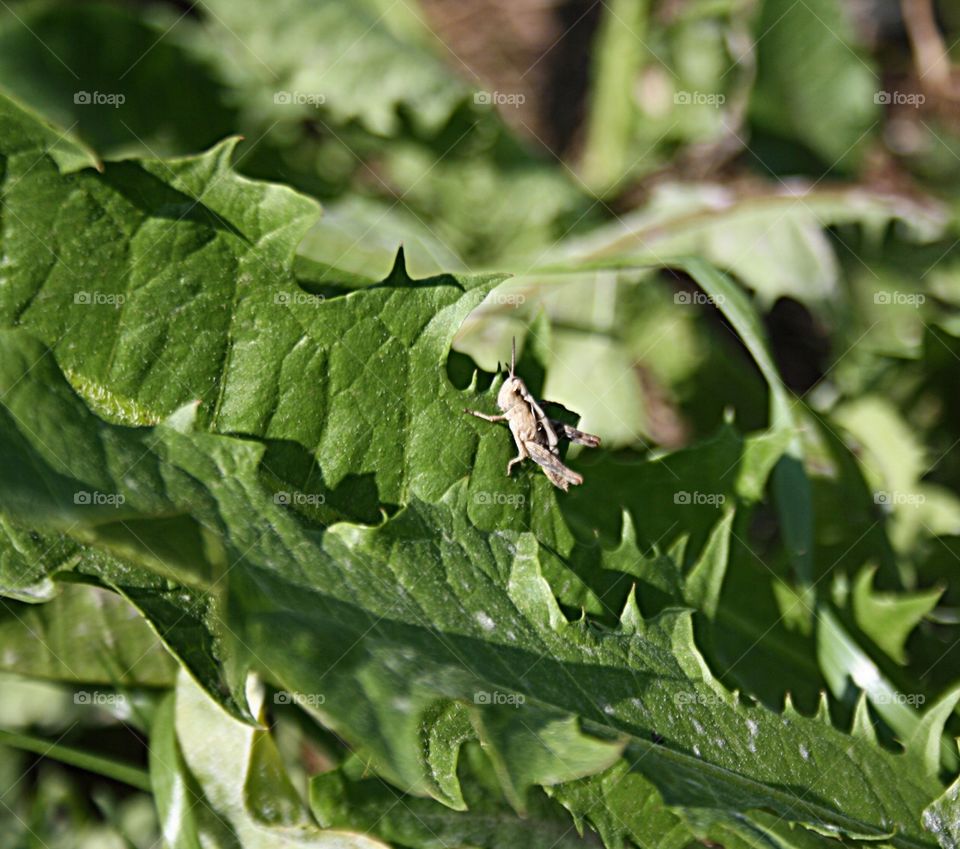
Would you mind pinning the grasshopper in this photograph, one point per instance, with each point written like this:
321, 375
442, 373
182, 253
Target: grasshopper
537, 436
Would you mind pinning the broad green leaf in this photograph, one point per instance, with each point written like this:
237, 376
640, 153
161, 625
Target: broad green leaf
28, 561
776, 243
187, 820
344, 798
337, 372
227, 248
131, 262
338, 61
128, 99
83, 635
530, 747
33, 137
385, 621
624, 808
813, 83
942, 817
183, 618
227, 760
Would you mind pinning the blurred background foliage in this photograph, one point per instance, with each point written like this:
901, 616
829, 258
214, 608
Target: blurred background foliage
810, 148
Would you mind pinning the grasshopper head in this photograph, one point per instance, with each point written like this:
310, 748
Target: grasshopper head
511, 393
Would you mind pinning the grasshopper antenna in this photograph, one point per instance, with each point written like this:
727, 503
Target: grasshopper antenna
513, 357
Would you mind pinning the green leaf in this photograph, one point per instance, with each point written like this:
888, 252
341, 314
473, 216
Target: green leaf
530, 747
123, 100
31, 135
843, 661
776, 242
444, 729
230, 762
216, 233
344, 799
624, 808
894, 463
339, 61
705, 581
187, 622
863, 726
28, 561
888, 618
227, 246
926, 741
84, 635
386, 621
942, 817
812, 83
302, 482
187, 819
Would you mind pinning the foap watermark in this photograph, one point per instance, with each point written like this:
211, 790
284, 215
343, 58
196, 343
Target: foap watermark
499, 98
93, 697
100, 499
714, 499
899, 98
484, 697
293, 299
902, 299
511, 299
99, 299
299, 98
895, 498
485, 496
312, 499
698, 298
99, 98
285, 697
689, 697
912, 699
715, 99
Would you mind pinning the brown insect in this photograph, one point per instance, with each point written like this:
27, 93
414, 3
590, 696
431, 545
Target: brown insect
537, 436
